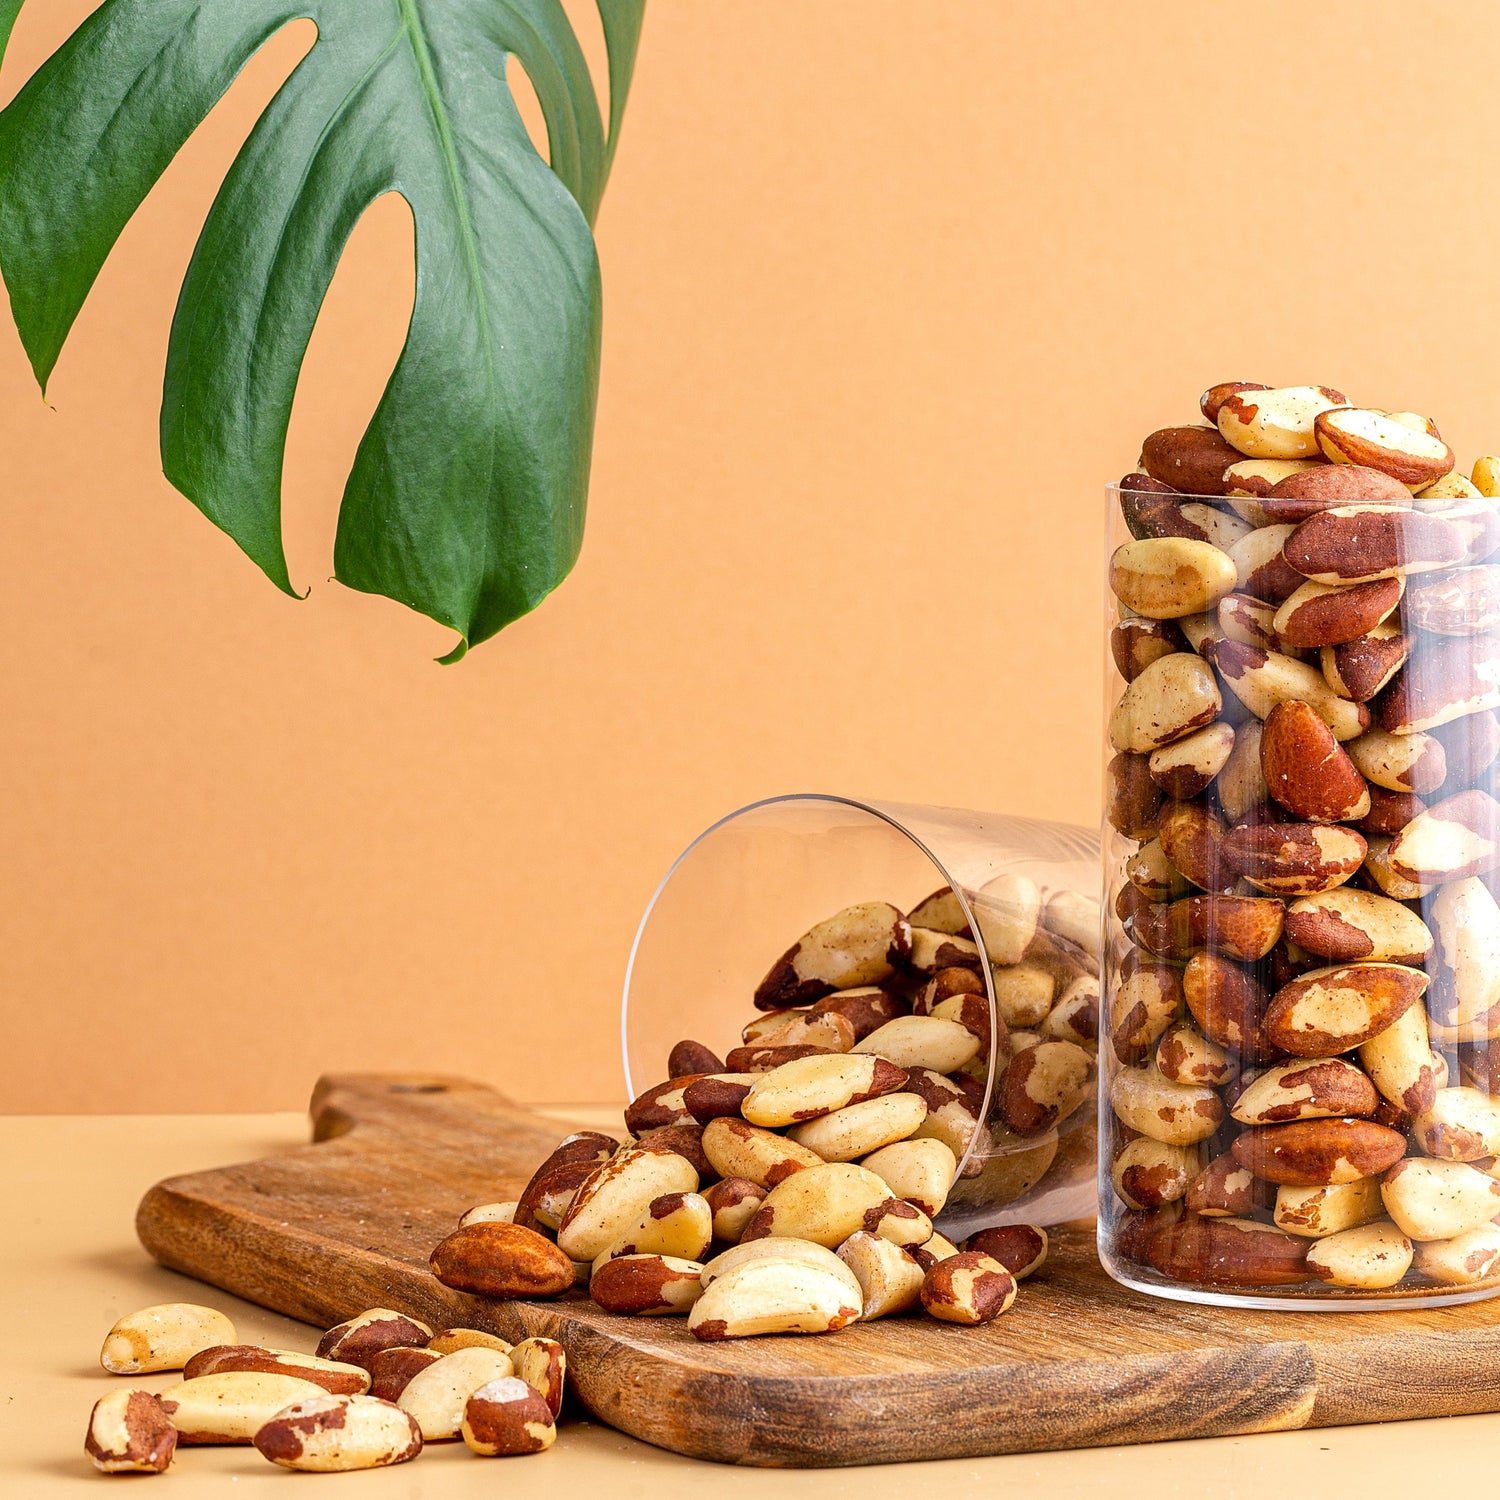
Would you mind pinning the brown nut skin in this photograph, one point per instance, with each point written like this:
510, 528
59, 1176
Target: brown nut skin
1330, 1011
1192, 837
1216, 395
1360, 669
1226, 1190
1229, 1252
758, 1059
1390, 812
1133, 800
1330, 617
543, 1364
879, 932
502, 1260
1136, 642
150, 1439
356, 1342
1306, 1088
351, 1381
547, 1196
1020, 1248
713, 1096
1150, 1174
944, 985
1151, 508
692, 1058
1324, 486
1349, 926
1042, 1084
866, 1010
1191, 460
969, 1288
1294, 859
392, 1369
1287, 962
1228, 1005
507, 1417
734, 1201
1355, 543
660, 1106
1317, 1153
634, 1285
567, 1166
1353, 435
1242, 928
1135, 1228
1146, 1003
1308, 772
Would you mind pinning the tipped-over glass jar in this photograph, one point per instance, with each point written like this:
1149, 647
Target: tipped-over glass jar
1302, 850
960, 947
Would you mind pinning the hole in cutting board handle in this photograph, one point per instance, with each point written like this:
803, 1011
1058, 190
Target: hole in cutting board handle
419, 1088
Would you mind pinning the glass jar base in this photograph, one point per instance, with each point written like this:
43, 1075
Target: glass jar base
1291, 1299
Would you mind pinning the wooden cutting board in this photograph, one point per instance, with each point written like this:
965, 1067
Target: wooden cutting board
322, 1232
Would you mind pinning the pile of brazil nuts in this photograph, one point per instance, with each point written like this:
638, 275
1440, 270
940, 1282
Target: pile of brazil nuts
379, 1386
1304, 987
791, 1186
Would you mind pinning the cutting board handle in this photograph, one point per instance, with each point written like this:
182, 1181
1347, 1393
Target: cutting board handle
344, 1102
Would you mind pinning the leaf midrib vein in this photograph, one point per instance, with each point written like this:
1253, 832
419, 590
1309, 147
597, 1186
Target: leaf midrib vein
411, 23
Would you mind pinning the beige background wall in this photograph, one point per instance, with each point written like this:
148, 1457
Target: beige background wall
891, 291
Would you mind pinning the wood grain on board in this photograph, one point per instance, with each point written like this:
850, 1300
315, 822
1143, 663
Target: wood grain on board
346, 1223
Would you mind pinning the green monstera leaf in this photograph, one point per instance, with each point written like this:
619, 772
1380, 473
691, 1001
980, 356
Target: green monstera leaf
466, 497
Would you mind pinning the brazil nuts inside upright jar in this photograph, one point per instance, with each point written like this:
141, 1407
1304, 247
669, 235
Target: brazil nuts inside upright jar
961, 945
1300, 1040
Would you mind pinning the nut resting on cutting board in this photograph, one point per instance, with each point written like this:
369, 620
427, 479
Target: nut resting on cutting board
789, 1184
1303, 957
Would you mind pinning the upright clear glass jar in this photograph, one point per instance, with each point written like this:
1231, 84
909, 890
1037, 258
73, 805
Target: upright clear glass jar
1300, 1040
990, 921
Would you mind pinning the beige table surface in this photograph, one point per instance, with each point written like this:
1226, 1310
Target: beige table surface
72, 1266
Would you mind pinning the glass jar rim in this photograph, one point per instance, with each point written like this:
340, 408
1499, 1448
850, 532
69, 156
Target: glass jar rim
1269, 503
871, 810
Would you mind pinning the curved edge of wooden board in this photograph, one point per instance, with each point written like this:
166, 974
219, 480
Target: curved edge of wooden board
680, 1402
767, 1403
785, 1421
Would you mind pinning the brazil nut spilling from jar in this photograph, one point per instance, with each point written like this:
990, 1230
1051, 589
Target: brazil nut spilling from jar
789, 1184
1300, 1043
